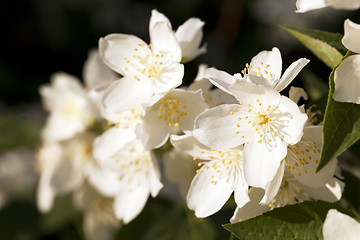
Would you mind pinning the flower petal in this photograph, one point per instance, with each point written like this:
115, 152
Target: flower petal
293, 130
249, 93
272, 188
330, 192
156, 17
206, 197
95, 73
290, 73
307, 5
189, 35
347, 80
125, 94
338, 226
216, 128
163, 40
129, 203
261, 162
351, 36
220, 79
111, 141
152, 132
295, 93
120, 51
252, 208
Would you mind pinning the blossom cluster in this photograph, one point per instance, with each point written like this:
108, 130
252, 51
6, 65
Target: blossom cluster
243, 135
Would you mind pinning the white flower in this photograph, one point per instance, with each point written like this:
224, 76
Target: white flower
299, 181
347, 74
264, 70
263, 120
99, 220
172, 113
63, 168
138, 177
70, 110
220, 174
307, 5
146, 70
189, 35
338, 226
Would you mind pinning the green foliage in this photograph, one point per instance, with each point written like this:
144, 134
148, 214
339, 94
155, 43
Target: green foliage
298, 221
15, 131
325, 45
341, 126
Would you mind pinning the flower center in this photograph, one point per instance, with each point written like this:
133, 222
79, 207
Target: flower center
263, 119
289, 193
171, 111
223, 165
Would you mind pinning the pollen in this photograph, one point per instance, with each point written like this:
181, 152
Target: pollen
169, 111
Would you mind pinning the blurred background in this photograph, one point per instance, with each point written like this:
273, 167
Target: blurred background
40, 37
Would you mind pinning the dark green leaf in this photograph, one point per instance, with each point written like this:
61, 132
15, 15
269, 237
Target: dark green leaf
341, 126
326, 46
298, 221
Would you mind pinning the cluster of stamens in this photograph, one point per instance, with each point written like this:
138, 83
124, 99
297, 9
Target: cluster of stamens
263, 71
133, 166
263, 119
302, 157
149, 66
171, 111
289, 193
223, 165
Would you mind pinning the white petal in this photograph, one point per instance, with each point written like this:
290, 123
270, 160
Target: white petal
125, 94
104, 181
220, 79
118, 51
330, 192
272, 188
290, 73
152, 132
216, 127
351, 37
45, 193
111, 141
155, 184
307, 5
344, 4
206, 198
295, 93
296, 120
95, 73
164, 40
241, 195
347, 80
338, 226
189, 35
156, 17
261, 162
59, 127
130, 202
252, 208
249, 93
266, 63
189, 144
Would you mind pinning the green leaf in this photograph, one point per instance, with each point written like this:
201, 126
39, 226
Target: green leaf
298, 221
326, 46
341, 126
15, 131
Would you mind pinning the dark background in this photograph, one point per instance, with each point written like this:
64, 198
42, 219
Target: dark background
40, 37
